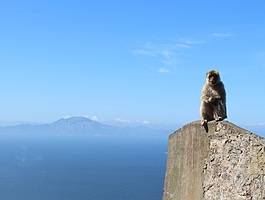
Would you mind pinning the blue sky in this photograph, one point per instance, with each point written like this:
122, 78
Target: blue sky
129, 60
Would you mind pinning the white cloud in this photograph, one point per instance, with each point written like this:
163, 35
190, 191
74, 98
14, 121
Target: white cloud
167, 53
168, 56
122, 120
129, 123
94, 118
163, 70
222, 35
145, 52
146, 122
192, 42
67, 116
183, 45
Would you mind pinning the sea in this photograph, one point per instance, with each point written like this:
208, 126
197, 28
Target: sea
79, 167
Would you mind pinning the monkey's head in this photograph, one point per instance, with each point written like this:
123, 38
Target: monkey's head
213, 77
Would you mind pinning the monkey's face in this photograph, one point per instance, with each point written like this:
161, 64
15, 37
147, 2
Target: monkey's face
213, 77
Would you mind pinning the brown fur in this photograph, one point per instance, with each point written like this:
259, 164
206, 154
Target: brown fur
213, 99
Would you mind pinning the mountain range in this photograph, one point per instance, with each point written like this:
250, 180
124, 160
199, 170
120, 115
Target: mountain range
83, 125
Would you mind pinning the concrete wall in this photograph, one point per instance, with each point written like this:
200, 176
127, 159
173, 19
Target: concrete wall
226, 163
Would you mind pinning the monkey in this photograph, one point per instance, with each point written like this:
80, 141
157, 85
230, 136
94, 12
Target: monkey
213, 99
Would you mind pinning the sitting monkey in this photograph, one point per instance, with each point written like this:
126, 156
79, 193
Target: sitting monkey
213, 99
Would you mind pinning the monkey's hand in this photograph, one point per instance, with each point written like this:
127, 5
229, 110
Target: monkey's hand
211, 99
214, 99
207, 100
217, 98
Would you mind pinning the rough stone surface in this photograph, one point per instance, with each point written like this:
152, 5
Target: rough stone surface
227, 163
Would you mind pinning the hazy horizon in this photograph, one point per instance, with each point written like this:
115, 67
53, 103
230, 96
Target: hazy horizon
133, 60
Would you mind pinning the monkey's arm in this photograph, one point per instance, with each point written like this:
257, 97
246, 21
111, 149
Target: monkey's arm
205, 94
218, 94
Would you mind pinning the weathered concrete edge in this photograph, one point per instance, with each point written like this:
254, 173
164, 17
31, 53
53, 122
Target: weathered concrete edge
211, 126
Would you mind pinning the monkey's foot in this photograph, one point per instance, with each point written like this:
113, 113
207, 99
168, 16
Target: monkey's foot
219, 119
203, 122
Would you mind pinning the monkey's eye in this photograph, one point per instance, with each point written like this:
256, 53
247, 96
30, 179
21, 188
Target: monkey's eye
213, 76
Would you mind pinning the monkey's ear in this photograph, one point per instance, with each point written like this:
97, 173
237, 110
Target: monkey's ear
217, 73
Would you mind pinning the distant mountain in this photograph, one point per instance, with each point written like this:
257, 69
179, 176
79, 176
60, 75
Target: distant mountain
79, 125
77, 122
83, 125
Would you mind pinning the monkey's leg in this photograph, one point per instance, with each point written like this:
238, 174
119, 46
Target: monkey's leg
219, 111
206, 114
224, 114
216, 114
205, 125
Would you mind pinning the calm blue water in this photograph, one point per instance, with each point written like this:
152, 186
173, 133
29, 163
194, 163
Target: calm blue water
81, 168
